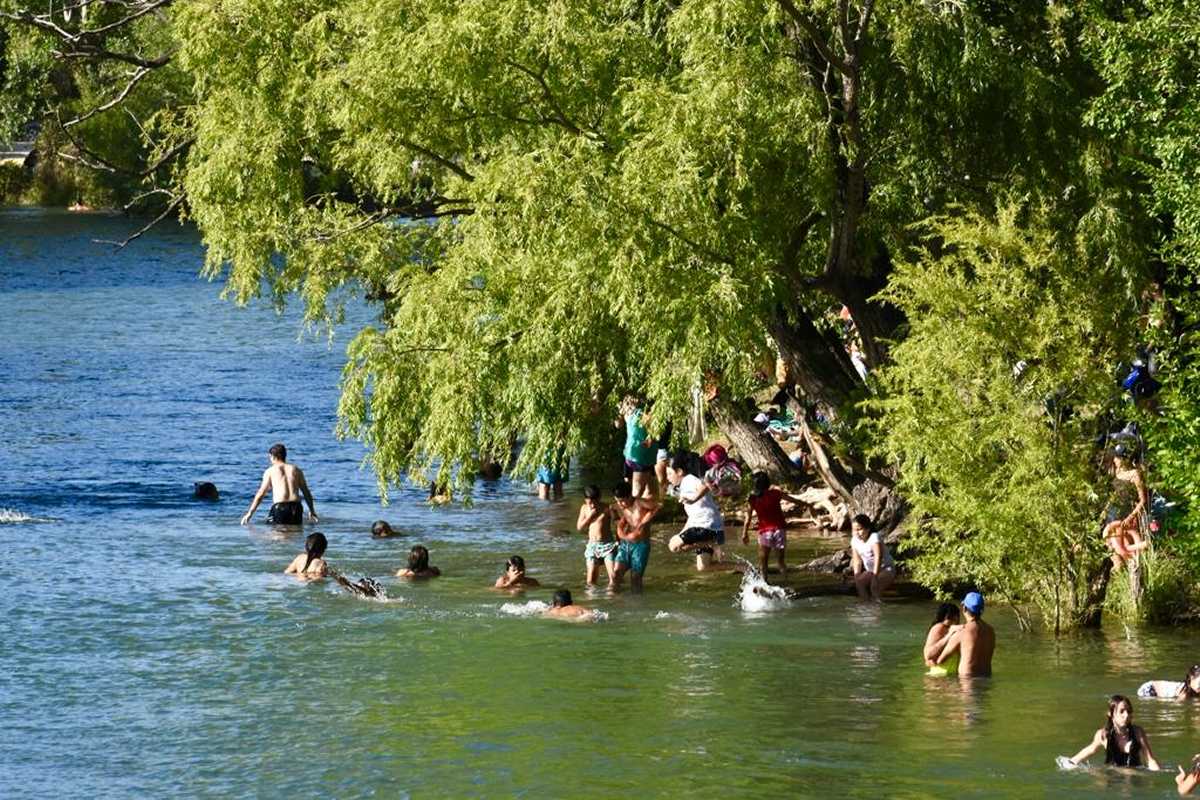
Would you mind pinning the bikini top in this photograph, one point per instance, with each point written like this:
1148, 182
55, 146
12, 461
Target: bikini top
1113, 754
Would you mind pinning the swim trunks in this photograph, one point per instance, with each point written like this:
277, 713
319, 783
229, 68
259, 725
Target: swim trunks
289, 512
698, 535
773, 539
600, 550
634, 555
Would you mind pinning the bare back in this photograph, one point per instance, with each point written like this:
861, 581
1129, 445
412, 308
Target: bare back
977, 642
287, 482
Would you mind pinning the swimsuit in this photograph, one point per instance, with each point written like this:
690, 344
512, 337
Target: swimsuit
600, 550
1147, 690
772, 539
289, 512
635, 555
1118, 758
698, 535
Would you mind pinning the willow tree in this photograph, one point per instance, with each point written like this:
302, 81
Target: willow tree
558, 203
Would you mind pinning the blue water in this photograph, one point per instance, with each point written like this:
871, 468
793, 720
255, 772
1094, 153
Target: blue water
152, 647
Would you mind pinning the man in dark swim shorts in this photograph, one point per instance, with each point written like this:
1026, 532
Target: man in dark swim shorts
286, 483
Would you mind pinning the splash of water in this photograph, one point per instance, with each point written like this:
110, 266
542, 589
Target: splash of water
756, 595
534, 608
363, 587
10, 516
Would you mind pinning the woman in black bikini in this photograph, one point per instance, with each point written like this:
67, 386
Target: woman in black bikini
1124, 744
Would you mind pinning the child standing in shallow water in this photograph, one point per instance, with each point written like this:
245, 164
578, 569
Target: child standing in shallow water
601, 546
764, 501
310, 564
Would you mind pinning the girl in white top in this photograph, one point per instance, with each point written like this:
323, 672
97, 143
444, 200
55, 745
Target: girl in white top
869, 560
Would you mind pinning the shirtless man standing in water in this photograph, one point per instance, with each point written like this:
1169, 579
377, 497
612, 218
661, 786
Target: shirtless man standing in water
975, 641
286, 482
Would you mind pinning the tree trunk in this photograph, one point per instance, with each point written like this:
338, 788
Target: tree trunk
755, 447
1097, 591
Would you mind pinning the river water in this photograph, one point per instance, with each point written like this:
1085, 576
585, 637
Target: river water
153, 648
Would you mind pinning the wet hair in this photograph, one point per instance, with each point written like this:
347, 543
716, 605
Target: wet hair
864, 520
205, 490
622, 491
562, 598
945, 612
1192, 674
278, 451
314, 547
591, 492
418, 558
515, 561
380, 528
1110, 747
762, 482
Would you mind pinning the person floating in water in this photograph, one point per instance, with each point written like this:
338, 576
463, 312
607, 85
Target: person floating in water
601, 547
870, 561
514, 576
1124, 744
633, 515
704, 531
205, 490
381, 530
418, 565
563, 608
974, 642
286, 483
945, 624
764, 502
310, 564
1187, 689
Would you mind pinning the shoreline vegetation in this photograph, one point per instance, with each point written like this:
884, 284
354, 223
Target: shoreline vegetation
955, 245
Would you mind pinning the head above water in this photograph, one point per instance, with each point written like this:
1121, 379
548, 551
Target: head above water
973, 604
1120, 712
562, 598
205, 491
314, 547
762, 482
947, 612
1191, 682
278, 451
515, 562
418, 558
381, 528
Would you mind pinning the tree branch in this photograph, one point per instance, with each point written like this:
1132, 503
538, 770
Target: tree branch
172, 207
138, 74
432, 156
864, 20
811, 30
560, 116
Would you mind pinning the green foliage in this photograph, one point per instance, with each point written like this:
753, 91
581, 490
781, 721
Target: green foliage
14, 180
1001, 464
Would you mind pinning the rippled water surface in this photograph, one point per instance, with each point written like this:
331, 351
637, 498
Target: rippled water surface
153, 648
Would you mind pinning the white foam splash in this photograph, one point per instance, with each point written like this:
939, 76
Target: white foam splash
1065, 763
10, 516
534, 608
600, 616
662, 615
756, 595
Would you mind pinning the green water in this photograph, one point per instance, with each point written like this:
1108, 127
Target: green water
152, 647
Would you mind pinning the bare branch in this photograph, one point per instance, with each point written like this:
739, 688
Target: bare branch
811, 31
171, 208
138, 74
559, 116
167, 156
699, 248
83, 50
148, 8
445, 162
140, 196
864, 20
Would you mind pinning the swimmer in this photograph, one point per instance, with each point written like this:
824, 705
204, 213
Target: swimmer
704, 531
1187, 689
563, 608
974, 642
514, 576
381, 530
418, 565
945, 624
286, 483
1187, 779
596, 520
1124, 744
310, 564
204, 490
633, 516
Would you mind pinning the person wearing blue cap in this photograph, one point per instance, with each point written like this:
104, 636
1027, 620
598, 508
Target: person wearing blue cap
975, 642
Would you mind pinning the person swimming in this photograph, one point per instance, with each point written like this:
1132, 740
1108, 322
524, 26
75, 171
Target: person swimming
1187, 689
514, 576
564, 608
1124, 744
418, 565
945, 623
381, 530
310, 564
